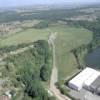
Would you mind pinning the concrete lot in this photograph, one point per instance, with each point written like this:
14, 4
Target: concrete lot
83, 95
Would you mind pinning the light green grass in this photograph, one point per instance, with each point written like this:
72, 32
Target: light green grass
67, 39
26, 36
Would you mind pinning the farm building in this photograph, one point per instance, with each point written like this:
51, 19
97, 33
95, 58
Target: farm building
84, 79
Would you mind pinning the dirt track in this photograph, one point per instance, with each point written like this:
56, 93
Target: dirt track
54, 76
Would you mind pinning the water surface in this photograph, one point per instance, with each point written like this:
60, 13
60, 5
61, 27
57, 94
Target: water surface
92, 59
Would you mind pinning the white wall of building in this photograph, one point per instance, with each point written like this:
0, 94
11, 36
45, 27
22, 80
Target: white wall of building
86, 77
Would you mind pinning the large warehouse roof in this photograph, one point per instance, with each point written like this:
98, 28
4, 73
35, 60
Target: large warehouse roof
92, 78
78, 81
95, 86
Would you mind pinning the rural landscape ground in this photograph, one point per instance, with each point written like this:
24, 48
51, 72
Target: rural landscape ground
63, 44
36, 50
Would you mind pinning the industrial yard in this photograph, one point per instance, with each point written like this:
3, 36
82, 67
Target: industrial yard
85, 85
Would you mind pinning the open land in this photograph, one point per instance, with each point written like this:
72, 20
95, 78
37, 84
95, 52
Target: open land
68, 37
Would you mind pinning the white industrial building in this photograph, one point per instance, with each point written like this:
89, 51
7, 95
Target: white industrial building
91, 79
84, 79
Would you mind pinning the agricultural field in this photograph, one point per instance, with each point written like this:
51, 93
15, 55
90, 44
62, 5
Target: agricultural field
11, 28
26, 36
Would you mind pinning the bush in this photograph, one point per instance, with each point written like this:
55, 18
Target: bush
45, 72
52, 98
41, 25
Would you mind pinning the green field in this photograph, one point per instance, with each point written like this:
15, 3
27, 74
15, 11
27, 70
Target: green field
26, 36
67, 38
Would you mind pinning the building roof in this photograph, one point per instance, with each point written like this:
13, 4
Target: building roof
96, 84
98, 90
92, 78
80, 79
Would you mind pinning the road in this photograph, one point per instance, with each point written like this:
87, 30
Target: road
54, 75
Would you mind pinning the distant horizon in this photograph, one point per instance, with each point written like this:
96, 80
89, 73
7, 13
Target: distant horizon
19, 3
55, 5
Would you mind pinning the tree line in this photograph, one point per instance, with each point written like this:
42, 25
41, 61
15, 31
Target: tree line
31, 68
95, 28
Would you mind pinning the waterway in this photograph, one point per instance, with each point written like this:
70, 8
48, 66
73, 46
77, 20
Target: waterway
92, 59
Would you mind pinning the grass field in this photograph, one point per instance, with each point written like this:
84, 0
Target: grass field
67, 39
26, 36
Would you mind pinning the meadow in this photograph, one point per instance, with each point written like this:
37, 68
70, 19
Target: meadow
29, 35
68, 37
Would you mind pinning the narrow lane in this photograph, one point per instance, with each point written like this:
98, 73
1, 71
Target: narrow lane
54, 75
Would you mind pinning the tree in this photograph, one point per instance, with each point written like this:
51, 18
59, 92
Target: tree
52, 98
41, 25
29, 75
35, 89
45, 72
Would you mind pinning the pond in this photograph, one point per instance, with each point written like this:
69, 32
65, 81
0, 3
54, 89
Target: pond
92, 59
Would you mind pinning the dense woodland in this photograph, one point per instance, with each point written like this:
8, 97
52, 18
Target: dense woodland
28, 70
41, 25
49, 15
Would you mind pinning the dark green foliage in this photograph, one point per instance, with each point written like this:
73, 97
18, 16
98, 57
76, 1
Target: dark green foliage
45, 72
34, 88
41, 25
42, 45
7, 49
30, 67
52, 98
28, 73
51, 15
92, 26
26, 97
95, 28
32, 83
43, 50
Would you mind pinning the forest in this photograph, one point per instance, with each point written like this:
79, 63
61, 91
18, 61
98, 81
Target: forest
28, 70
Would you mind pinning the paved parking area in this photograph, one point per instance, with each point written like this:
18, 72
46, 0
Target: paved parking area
83, 95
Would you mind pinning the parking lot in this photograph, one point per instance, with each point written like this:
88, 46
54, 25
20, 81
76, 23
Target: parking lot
83, 94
